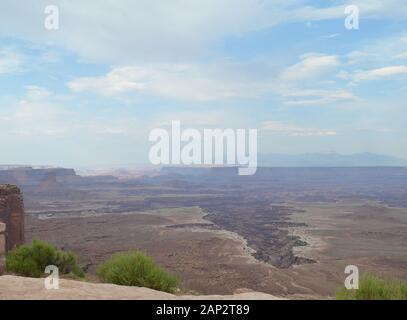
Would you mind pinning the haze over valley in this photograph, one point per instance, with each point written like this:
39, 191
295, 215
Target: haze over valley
284, 231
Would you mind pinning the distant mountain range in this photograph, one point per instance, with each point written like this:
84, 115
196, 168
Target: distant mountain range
264, 160
329, 160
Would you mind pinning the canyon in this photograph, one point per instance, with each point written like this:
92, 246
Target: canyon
284, 231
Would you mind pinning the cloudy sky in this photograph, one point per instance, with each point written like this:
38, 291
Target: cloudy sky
88, 93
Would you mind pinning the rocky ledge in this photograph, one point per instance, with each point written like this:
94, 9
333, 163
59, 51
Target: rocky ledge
13, 287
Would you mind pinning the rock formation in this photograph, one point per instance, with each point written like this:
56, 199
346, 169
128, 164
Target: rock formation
27, 176
2, 246
21, 288
12, 215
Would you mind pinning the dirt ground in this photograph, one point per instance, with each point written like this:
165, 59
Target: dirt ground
212, 261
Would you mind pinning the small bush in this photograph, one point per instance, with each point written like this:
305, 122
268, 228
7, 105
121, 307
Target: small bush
375, 288
31, 260
136, 269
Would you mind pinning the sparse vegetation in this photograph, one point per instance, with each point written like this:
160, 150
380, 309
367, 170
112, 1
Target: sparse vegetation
136, 269
30, 260
374, 288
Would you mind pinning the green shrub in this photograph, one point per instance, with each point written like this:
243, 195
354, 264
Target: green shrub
31, 260
136, 269
375, 288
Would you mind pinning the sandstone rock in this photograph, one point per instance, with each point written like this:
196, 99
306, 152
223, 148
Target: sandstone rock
13, 287
2, 246
12, 215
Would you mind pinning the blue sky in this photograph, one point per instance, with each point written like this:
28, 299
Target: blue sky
88, 94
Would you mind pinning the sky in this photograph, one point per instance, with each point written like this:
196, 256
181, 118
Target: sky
88, 93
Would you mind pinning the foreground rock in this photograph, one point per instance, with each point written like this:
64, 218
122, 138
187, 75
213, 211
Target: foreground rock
11, 216
13, 287
2, 247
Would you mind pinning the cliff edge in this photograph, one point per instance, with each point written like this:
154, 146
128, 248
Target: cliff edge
21, 288
12, 215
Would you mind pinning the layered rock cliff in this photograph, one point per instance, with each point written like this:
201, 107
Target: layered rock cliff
12, 216
27, 176
2, 247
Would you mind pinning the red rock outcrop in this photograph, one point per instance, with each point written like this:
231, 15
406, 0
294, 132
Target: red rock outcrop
2, 247
12, 215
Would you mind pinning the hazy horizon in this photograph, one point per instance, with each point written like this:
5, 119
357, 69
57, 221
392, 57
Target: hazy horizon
264, 160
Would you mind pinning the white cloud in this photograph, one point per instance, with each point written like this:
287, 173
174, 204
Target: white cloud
36, 92
378, 9
311, 66
38, 114
402, 55
178, 81
10, 61
380, 73
294, 130
129, 30
331, 36
379, 52
48, 129
297, 83
318, 97
42, 113
117, 81
357, 57
223, 81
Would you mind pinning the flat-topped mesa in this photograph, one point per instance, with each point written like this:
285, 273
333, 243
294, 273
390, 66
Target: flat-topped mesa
12, 215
